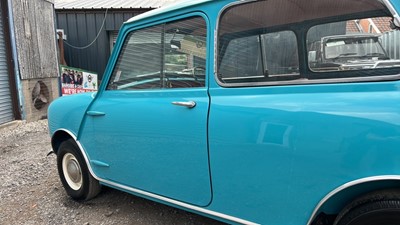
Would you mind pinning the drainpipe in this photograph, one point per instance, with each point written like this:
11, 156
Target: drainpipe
15, 60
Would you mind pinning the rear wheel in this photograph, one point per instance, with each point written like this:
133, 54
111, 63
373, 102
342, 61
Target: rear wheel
74, 173
379, 208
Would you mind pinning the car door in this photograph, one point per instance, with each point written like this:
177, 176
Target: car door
148, 128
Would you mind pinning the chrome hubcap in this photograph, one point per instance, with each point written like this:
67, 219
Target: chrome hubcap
72, 171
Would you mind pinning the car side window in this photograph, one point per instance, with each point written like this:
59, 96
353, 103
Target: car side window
350, 45
169, 55
256, 46
263, 57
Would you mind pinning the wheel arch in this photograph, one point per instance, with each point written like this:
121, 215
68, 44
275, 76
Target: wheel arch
338, 198
60, 136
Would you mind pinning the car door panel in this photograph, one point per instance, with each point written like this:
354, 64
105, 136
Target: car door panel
150, 143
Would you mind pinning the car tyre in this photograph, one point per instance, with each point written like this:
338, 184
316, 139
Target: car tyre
379, 208
74, 173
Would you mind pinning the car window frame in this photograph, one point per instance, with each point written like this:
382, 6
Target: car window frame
307, 76
124, 35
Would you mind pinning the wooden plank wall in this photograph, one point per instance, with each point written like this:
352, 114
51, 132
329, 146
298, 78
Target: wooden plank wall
35, 38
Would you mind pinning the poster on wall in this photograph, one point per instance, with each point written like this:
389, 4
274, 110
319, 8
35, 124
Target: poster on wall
74, 80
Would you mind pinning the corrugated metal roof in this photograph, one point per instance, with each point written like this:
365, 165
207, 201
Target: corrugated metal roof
98, 4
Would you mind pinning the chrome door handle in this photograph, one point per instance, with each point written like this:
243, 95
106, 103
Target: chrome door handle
189, 104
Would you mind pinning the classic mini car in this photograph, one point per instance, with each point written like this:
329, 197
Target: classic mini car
213, 106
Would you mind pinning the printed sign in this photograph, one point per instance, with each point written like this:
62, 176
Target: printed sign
75, 81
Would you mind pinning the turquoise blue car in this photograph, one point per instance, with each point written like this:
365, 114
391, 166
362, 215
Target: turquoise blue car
222, 108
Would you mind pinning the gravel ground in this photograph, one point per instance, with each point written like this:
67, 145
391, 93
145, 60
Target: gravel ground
31, 192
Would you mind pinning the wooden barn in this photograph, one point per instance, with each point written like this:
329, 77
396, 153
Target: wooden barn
28, 59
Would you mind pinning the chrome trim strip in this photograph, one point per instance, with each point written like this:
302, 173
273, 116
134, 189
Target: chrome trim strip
304, 81
347, 185
154, 196
392, 10
215, 50
181, 204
